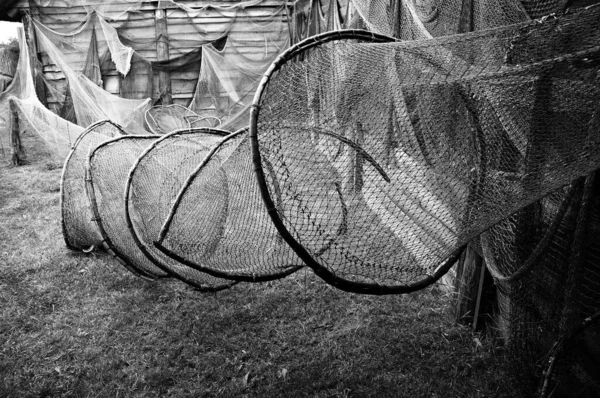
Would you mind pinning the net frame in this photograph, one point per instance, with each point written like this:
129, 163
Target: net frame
138, 240
323, 272
106, 240
70, 240
245, 276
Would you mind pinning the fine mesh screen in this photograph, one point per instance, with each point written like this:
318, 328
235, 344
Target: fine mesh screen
218, 223
79, 230
153, 184
426, 144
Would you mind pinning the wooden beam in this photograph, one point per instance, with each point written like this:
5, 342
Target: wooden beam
469, 274
34, 59
18, 154
162, 54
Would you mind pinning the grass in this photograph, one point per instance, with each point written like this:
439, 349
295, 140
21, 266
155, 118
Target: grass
79, 325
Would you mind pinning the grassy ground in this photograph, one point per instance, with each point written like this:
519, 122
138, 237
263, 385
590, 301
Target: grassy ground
79, 325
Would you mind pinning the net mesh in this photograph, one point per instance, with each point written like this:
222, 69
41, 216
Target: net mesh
20, 87
108, 171
423, 19
219, 225
427, 144
79, 229
152, 186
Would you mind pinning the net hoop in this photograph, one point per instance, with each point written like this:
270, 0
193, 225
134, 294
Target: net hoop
107, 242
323, 272
135, 233
245, 276
64, 229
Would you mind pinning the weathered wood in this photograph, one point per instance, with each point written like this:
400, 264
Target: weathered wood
18, 154
162, 54
34, 59
466, 285
465, 22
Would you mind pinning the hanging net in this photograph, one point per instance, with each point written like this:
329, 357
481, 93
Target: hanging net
427, 143
108, 170
218, 224
20, 87
414, 20
91, 103
79, 229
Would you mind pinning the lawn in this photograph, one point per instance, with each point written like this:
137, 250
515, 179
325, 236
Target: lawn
80, 325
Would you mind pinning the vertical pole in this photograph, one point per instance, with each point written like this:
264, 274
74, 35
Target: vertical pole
465, 22
15, 139
468, 284
358, 160
162, 54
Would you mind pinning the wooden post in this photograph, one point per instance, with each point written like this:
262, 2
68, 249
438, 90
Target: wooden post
358, 160
34, 59
469, 276
465, 22
18, 154
162, 54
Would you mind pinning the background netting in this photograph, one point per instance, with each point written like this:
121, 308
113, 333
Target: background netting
218, 223
79, 229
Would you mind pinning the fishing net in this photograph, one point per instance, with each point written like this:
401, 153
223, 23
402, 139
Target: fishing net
90, 102
164, 119
423, 142
79, 229
108, 170
218, 224
152, 186
20, 87
544, 260
9, 58
413, 20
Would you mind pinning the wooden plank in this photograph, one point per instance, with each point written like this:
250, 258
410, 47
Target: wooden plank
162, 54
34, 60
466, 285
18, 154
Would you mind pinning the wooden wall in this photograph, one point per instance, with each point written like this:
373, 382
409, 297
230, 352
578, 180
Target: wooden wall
144, 26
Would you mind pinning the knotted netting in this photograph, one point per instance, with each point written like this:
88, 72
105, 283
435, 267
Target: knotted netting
21, 86
414, 20
425, 144
218, 224
107, 174
78, 228
545, 264
153, 184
